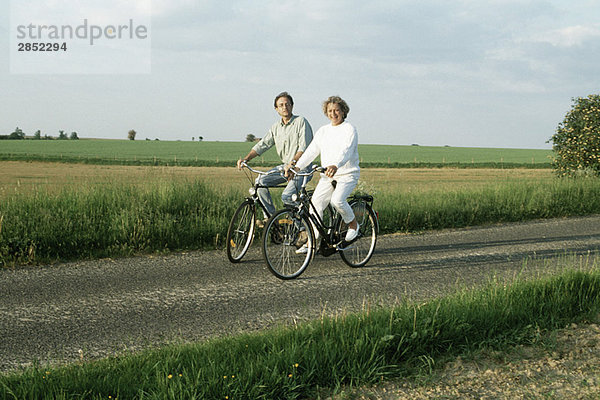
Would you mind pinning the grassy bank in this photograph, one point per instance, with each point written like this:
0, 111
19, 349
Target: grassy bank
353, 349
116, 219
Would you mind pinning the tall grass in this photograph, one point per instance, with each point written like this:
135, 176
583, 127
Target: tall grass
109, 220
499, 202
352, 349
122, 219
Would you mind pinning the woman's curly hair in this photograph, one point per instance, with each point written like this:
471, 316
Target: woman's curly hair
339, 101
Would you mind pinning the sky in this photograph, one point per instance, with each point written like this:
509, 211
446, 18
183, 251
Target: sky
470, 73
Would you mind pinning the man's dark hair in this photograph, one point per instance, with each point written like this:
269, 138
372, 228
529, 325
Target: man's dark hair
283, 94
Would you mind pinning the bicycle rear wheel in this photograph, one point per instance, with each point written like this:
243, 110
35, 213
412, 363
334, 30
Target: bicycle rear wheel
284, 235
241, 231
359, 252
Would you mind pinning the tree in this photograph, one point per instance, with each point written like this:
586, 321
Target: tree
17, 134
62, 135
250, 138
131, 134
576, 143
74, 136
200, 138
37, 135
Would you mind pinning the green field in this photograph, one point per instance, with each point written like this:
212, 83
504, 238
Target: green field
225, 153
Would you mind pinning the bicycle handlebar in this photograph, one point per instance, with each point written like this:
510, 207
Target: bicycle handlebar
315, 168
244, 164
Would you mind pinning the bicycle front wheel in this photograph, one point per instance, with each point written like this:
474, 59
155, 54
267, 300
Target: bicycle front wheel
241, 231
288, 244
358, 253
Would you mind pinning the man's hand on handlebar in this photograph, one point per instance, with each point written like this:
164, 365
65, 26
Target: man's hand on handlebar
286, 171
240, 163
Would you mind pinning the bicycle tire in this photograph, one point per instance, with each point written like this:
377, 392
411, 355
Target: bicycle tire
280, 253
240, 233
359, 252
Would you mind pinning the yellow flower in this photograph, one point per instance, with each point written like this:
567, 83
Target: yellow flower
169, 376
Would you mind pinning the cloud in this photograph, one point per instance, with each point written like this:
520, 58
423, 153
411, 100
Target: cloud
571, 36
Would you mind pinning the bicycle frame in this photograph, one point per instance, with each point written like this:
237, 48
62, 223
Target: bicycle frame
254, 189
328, 233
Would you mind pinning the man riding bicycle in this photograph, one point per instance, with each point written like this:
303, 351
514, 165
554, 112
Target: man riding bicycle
290, 136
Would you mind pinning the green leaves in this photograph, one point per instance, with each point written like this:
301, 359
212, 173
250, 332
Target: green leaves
576, 143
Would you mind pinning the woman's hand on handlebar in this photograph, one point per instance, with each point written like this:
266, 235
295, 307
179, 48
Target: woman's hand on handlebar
330, 171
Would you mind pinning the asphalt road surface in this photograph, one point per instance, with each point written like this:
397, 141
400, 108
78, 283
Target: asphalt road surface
92, 309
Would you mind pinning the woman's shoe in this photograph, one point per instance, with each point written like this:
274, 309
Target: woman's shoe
352, 233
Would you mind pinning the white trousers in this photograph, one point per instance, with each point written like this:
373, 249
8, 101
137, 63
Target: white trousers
326, 193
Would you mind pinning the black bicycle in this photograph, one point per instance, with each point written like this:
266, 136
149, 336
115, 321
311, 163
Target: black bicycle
291, 229
242, 226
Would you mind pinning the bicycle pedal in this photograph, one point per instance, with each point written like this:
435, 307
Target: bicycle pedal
327, 251
343, 245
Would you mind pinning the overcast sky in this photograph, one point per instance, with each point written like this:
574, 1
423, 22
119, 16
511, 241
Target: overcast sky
468, 73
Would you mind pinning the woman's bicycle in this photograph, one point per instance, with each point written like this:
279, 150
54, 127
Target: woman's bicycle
291, 228
242, 226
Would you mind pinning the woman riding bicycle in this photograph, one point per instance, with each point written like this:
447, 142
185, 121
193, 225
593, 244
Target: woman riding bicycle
337, 144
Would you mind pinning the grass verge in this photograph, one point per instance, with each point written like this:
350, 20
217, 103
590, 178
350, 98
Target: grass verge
113, 220
347, 350
120, 219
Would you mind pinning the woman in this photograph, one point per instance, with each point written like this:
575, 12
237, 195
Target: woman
337, 144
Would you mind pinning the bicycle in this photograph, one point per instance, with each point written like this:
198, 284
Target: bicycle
240, 233
282, 236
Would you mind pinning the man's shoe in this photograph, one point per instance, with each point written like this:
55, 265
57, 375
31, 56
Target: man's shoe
352, 233
302, 238
302, 250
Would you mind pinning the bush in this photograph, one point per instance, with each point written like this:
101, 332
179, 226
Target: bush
576, 143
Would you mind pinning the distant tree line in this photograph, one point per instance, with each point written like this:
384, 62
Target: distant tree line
18, 134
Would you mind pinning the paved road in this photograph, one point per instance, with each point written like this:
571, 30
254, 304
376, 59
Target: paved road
94, 308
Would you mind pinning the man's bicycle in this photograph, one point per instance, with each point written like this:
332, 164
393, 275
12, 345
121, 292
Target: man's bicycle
291, 228
242, 226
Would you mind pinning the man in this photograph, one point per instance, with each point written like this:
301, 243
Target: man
290, 136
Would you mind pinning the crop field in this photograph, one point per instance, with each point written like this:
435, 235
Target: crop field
29, 177
152, 152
